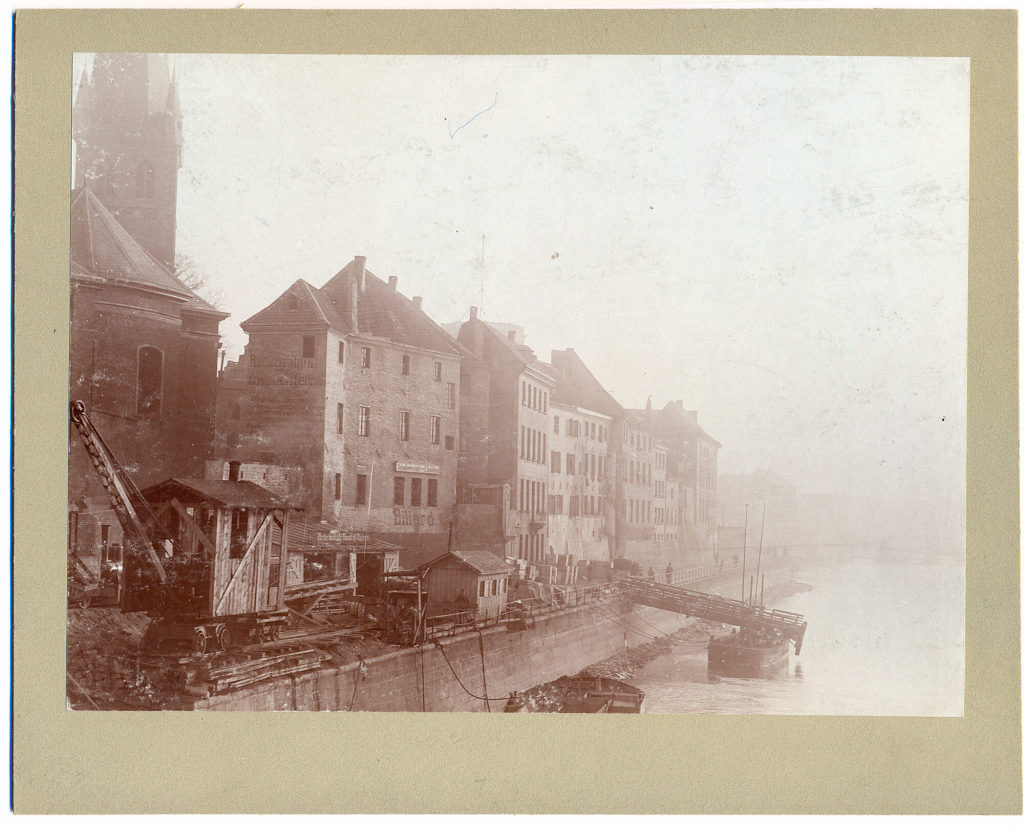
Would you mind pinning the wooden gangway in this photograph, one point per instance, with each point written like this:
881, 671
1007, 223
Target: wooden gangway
717, 608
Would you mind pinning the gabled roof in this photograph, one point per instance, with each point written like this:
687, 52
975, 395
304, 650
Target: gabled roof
382, 312
576, 385
102, 249
483, 562
230, 493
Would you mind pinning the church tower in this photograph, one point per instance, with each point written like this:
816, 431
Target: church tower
126, 124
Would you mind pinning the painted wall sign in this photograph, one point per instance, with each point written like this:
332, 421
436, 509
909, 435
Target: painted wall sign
415, 517
417, 467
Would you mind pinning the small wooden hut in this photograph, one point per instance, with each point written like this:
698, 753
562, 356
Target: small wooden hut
228, 554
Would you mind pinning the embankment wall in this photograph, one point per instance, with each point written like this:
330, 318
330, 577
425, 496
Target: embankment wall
490, 663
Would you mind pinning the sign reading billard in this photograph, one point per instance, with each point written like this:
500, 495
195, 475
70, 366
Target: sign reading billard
417, 467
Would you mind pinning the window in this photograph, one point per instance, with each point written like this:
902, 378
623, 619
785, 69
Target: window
405, 366
450, 388
449, 443
403, 426
399, 490
432, 492
341, 353
308, 347
600, 468
524, 393
150, 381
435, 430
239, 532
437, 371
293, 304
555, 503
360, 489
574, 505
337, 486
522, 442
555, 425
364, 421
483, 588
366, 357
570, 463
417, 491
341, 418
556, 462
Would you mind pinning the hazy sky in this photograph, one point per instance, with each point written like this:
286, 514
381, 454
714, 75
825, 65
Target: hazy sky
780, 242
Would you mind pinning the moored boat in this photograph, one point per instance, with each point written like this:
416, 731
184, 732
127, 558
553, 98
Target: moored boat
747, 653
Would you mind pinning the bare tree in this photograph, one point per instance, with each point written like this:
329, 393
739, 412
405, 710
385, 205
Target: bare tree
187, 273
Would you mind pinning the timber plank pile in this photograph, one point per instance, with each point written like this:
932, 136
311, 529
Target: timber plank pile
717, 608
226, 677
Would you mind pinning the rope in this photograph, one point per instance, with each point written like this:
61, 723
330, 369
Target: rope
456, 674
355, 684
483, 668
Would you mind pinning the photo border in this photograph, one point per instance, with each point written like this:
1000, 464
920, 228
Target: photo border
170, 762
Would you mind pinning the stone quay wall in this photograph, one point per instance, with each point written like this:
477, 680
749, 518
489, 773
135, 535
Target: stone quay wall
489, 663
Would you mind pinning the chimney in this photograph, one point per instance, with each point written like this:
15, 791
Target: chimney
472, 314
234, 470
393, 282
357, 277
417, 302
512, 336
360, 262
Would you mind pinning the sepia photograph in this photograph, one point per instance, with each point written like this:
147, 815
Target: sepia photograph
518, 383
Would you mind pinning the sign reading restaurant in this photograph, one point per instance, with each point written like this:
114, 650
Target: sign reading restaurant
417, 467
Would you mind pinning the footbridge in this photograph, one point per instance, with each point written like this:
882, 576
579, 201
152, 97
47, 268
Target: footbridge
713, 607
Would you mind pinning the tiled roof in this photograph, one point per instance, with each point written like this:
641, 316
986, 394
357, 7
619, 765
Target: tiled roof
101, 248
482, 561
576, 385
240, 494
382, 312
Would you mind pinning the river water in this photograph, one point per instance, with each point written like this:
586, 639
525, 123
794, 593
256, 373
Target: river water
882, 639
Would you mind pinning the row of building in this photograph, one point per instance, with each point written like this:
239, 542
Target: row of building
387, 428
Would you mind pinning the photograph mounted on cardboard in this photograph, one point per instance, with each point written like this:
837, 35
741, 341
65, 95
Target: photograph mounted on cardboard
585, 384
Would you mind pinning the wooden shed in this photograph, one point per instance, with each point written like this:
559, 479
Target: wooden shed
231, 541
468, 580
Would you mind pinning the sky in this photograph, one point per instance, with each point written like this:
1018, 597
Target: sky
779, 242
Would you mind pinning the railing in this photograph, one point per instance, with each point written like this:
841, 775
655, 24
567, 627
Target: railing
563, 597
522, 610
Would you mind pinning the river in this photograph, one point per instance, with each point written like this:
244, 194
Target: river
882, 639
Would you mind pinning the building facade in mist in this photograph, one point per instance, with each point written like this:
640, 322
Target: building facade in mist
692, 459
578, 499
143, 359
353, 384
505, 438
127, 128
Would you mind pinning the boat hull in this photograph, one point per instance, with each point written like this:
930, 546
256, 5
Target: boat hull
728, 657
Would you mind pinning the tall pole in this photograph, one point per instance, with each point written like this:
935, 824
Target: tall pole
760, 543
743, 575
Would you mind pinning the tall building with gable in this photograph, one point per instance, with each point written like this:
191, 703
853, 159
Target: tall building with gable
353, 385
127, 128
505, 438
